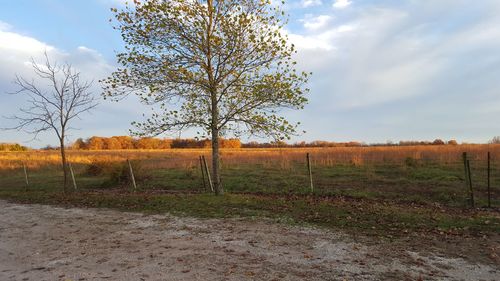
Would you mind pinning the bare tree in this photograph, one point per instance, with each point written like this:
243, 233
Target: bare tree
495, 140
55, 106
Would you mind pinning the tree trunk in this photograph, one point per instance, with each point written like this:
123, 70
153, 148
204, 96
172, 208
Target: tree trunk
64, 165
219, 190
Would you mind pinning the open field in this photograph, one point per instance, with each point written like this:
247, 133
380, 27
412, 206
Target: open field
329, 156
421, 174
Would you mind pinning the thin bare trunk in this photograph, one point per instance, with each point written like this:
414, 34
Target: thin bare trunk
64, 165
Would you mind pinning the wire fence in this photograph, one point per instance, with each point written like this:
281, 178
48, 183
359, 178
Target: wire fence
421, 177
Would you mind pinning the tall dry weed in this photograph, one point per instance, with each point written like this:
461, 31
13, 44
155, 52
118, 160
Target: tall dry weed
283, 158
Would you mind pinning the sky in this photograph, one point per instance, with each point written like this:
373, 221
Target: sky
383, 70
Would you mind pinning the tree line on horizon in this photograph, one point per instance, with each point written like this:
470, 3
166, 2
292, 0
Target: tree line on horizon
127, 142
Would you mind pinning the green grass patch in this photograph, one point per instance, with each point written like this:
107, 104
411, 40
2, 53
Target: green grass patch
358, 216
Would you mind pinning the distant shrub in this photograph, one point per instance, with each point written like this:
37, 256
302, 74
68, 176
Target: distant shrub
121, 173
100, 168
411, 162
12, 147
438, 142
190, 143
117, 172
495, 140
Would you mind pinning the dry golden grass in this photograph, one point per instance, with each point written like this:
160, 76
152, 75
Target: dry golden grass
277, 157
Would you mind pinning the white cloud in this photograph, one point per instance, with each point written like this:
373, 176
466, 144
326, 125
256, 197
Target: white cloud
311, 3
13, 44
320, 36
18, 49
341, 4
4, 26
414, 70
315, 23
385, 55
309, 42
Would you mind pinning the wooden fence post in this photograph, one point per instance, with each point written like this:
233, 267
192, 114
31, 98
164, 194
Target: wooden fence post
202, 173
72, 175
132, 175
310, 171
466, 174
208, 174
471, 191
489, 174
26, 177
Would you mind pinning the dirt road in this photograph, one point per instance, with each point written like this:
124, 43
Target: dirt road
48, 243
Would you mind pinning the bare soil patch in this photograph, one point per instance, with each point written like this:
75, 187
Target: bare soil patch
39, 242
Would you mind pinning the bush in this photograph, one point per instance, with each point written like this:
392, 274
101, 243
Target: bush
121, 173
411, 162
117, 172
100, 168
12, 147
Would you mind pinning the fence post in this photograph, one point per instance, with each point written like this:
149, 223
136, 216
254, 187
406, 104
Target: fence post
310, 171
202, 173
208, 174
132, 175
72, 175
466, 178
471, 191
489, 174
26, 177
